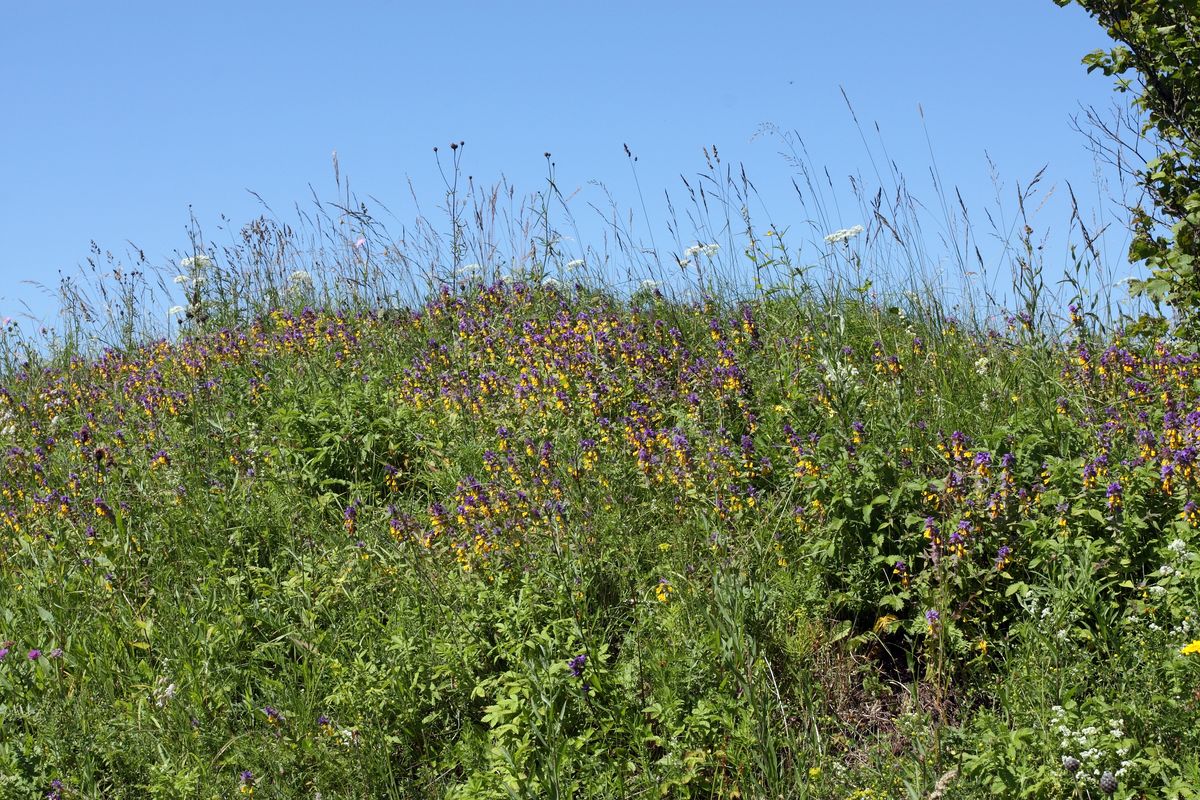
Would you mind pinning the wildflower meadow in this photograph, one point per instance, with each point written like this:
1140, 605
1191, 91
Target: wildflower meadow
761, 512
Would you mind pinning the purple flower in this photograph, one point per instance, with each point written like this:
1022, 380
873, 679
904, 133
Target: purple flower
34, 654
56, 652
576, 664
932, 618
3, 653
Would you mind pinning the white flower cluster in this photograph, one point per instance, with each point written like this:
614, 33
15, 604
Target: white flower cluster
1168, 574
1047, 618
1094, 750
511, 277
299, 282
843, 235
707, 250
697, 250
839, 372
163, 692
1185, 631
196, 263
575, 264
468, 273
648, 285
7, 427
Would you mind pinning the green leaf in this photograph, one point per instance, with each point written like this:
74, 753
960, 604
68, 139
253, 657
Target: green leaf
1015, 587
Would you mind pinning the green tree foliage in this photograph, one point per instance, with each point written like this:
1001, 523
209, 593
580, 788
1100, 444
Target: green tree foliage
1159, 40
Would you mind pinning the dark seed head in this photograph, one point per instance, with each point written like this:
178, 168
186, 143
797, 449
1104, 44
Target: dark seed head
1108, 783
1071, 764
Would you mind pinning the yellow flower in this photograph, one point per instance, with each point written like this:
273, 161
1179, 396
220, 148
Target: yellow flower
1193, 648
663, 590
983, 646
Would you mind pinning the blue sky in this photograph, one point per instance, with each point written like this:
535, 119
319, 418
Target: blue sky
123, 116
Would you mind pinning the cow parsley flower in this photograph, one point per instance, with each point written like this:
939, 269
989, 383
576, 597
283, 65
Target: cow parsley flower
468, 272
300, 280
197, 263
845, 234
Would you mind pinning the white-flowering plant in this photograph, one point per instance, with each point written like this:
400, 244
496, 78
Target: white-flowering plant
708, 250
299, 282
843, 235
164, 692
1090, 747
196, 264
468, 273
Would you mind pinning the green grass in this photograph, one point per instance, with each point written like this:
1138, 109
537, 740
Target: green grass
507, 539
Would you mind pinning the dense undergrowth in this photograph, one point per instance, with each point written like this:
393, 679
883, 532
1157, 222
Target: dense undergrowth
530, 540
548, 535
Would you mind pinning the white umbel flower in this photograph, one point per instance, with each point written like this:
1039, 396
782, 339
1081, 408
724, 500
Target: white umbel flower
843, 235
468, 273
708, 250
299, 281
196, 263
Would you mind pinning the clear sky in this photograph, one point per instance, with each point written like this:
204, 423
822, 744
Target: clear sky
120, 117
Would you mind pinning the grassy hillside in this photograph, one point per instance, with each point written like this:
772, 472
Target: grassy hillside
531, 540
